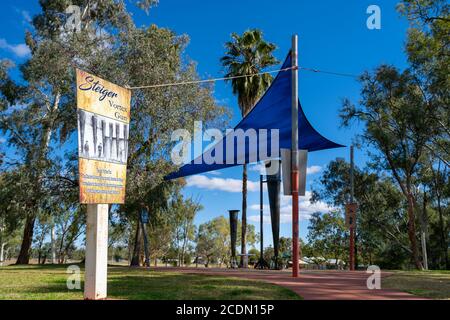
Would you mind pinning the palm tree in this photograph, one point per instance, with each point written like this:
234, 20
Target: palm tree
248, 54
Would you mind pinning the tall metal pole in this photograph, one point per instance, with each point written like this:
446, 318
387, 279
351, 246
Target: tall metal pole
352, 228
352, 185
261, 259
294, 152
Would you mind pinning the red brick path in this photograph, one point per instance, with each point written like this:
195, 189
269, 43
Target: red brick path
312, 284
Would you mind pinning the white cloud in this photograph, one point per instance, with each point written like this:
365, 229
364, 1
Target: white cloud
221, 184
214, 173
260, 167
21, 50
306, 208
26, 16
313, 169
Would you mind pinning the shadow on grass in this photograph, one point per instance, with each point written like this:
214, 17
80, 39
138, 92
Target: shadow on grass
49, 282
174, 286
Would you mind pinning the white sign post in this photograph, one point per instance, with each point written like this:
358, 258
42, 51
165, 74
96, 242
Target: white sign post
96, 266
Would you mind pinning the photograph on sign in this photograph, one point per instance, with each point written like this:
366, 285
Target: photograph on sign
103, 134
102, 138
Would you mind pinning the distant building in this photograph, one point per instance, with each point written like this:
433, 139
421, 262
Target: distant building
320, 263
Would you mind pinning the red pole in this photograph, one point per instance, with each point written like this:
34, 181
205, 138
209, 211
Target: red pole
295, 251
352, 248
353, 224
294, 155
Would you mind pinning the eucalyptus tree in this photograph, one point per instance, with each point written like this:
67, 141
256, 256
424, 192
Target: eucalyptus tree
326, 234
381, 215
45, 116
405, 113
248, 54
11, 210
436, 199
428, 53
38, 114
213, 241
399, 124
185, 211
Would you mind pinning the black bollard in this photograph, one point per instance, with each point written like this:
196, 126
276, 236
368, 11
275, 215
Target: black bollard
273, 188
233, 235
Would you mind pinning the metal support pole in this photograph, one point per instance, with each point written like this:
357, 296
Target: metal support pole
352, 186
261, 213
96, 252
352, 227
294, 159
352, 248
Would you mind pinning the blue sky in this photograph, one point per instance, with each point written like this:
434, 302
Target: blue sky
332, 36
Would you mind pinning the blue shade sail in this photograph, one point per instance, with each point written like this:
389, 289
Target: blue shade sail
272, 111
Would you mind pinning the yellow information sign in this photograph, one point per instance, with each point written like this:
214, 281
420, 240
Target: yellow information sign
103, 127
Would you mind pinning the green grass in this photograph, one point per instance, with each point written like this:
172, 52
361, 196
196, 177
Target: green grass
429, 284
49, 283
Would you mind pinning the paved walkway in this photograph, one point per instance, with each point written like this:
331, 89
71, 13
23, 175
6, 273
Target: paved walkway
312, 284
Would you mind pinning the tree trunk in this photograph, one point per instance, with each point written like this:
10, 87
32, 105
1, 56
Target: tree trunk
442, 232
53, 242
442, 229
146, 247
60, 251
183, 248
2, 251
24, 255
412, 232
25, 248
137, 246
244, 262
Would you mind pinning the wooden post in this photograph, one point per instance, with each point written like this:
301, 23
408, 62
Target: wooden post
96, 265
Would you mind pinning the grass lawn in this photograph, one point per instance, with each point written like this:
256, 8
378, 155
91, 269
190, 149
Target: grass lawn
49, 282
430, 284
